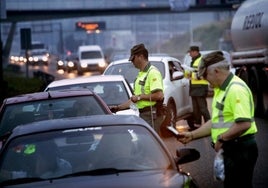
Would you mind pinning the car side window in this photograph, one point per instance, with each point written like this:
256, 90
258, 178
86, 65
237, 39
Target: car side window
178, 66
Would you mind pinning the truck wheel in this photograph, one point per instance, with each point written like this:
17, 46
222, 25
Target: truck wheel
254, 84
243, 74
265, 92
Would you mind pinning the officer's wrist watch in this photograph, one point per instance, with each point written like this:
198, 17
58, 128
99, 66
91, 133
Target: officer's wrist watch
139, 97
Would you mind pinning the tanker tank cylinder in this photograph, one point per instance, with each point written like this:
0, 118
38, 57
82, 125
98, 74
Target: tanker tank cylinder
250, 56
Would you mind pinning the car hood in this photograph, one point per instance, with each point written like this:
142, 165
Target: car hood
141, 179
128, 112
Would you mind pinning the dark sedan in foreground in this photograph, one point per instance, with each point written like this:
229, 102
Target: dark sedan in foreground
94, 151
31, 107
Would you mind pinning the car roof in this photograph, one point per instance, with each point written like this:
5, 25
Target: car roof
47, 95
188, 59
79, 80
78, 122
150, 58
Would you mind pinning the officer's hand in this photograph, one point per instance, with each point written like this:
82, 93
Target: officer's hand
134, 98
218, 146
185, 137
114, 109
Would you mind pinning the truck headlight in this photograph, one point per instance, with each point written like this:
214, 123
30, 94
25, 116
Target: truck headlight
102, 64
84, 65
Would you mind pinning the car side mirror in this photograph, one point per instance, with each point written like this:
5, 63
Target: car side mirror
177, 75
186, 155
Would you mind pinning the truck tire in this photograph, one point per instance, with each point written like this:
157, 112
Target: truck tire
243, 74
265, 92
255, 86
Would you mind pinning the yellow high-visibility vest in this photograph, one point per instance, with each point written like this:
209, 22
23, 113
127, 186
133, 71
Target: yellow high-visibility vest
235, 102
194, 78
146, 83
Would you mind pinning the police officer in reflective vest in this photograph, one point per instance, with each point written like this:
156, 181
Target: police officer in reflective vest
198, 91
148, 89
232, 126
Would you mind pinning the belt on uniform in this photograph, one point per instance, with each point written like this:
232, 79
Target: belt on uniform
245, 138
238, 140
145, 109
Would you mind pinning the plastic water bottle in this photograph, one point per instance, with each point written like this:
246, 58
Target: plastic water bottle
219, 173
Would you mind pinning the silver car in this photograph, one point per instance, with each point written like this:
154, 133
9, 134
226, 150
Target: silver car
113, 89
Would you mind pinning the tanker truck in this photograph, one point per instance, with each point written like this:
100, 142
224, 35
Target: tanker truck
249, 33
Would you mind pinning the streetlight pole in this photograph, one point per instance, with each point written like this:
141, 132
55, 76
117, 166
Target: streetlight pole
191, 30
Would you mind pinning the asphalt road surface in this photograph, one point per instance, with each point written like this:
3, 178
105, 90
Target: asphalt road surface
202, 169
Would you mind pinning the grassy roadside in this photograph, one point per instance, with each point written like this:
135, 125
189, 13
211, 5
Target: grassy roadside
15, 83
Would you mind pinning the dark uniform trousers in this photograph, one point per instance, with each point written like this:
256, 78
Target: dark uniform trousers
240, 156
152, 119
200, 107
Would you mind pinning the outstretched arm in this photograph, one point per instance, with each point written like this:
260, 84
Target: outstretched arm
203, 131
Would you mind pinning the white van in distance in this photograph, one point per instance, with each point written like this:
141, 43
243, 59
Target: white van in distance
91, 58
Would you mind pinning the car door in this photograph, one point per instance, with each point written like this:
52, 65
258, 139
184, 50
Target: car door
186, 99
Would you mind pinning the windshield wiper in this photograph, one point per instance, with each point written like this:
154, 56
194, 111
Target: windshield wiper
21, 181
98, 172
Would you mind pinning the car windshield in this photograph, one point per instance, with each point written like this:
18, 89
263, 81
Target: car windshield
27, 112
113, 93
82, 151
130, 72
39, 52
91, 55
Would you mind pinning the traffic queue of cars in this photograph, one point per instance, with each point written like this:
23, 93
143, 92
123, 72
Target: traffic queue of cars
35, 57
87, 58
67, 136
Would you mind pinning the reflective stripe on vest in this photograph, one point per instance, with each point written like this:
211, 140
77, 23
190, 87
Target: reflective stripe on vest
144, 80
194, 79
221, 126
145, 103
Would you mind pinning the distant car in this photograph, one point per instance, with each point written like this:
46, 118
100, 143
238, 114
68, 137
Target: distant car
17, 59
39, 56
69, 63
94, 151
176, 87
113, 89
91, 58
39, 106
